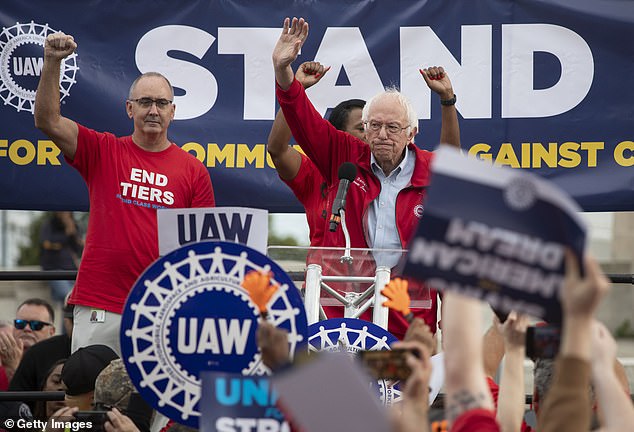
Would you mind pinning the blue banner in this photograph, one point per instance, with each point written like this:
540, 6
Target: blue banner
543, 85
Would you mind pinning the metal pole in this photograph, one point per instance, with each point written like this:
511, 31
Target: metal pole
312, 293
380, 312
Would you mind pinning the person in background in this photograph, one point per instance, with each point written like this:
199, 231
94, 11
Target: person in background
60, 249
43, 410
36, 363
33, 323
80, 373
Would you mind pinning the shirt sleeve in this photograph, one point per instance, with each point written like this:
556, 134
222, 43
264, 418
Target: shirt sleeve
203, 191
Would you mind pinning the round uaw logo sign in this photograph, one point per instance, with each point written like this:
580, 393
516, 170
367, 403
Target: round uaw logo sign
520, 193
21, 61
188, 312
351, 336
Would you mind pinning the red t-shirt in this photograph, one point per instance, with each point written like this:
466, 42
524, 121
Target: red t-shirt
476, 420
126, 185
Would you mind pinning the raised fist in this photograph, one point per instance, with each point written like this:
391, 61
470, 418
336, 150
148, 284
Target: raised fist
59, 46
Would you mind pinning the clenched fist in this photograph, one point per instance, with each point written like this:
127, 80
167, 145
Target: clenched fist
59, 46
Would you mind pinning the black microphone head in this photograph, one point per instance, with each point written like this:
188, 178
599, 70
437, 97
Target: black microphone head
347, 171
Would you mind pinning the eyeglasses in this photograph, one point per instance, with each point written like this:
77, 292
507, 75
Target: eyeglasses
391, 128
35, 325
146, 102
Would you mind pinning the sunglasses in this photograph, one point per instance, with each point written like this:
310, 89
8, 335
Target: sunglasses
35, 325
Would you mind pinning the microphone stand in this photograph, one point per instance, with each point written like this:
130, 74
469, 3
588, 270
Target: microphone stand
346, 258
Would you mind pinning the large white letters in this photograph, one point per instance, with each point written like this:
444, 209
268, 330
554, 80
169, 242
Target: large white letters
471, 78
344, 49
201, 88
259, 79
519, 42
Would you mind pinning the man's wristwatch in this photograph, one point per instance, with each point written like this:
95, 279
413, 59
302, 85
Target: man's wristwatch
449, 102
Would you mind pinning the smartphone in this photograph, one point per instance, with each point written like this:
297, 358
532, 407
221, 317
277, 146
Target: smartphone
97, 418
389, 364
543, 341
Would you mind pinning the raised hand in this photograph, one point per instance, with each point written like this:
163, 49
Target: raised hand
419, 331
580, 296
513, 330
273, 344
294, 34
59, 46
438, 81
310, 73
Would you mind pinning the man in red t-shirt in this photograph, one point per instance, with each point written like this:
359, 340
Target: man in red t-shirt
128, 179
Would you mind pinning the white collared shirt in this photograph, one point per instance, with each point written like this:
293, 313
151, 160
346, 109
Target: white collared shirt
383, 233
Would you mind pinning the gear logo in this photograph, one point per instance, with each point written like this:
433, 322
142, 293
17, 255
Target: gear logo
188, 313
520, 193
351, 336
21, 60
419, 210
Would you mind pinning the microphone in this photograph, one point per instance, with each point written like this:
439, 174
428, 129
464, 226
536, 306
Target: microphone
347, 173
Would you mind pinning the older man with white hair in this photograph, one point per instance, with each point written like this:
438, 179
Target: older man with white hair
384, 202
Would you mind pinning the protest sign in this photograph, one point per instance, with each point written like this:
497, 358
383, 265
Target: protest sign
496, 234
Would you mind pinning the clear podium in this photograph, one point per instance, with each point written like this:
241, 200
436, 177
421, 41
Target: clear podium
348, 278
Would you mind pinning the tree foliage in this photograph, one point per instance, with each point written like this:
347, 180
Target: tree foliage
29, 253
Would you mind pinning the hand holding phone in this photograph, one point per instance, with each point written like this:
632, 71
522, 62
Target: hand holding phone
389, 364
543, 341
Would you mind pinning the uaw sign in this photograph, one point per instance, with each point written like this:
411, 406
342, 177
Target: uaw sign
352, 335
247, 226
232, 402
188, 313
495, 234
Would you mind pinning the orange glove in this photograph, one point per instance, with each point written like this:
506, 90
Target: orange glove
398, 297
260, 288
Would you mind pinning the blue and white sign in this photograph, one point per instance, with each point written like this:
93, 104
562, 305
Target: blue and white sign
187, 313
232, 402
247, 226
495, 234
351, 335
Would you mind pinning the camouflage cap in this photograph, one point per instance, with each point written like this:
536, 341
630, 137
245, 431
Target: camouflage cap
113, 386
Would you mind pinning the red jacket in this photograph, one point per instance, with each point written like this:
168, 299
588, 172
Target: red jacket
307, 187
328, 148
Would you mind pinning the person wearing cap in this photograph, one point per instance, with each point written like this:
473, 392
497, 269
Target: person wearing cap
115, 393
80, 372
